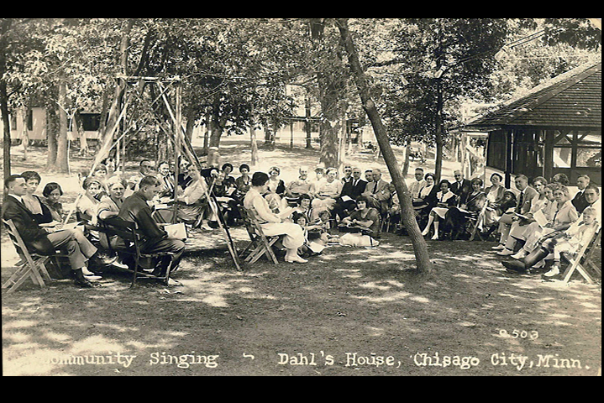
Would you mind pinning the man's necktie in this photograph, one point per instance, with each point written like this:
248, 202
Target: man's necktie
520, 201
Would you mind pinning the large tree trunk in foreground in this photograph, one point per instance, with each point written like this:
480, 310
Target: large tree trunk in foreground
62, 161
407, 214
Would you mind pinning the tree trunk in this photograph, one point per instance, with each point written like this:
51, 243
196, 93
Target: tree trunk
407, 214
4, 41
25, 132
6, 127
79, 126
115, 110
217, 123
216, 132
439, 132
206, 134
62, 163
308, 125
253, 144
330, 124
405, 169
51, 137
103, 119
191, 118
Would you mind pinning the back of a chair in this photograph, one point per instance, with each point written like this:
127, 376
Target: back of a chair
15, 237
247, 221
126, 230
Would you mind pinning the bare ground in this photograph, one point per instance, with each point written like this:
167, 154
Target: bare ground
350, 311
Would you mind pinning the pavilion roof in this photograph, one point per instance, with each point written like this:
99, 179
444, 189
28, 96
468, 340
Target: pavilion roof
572, 99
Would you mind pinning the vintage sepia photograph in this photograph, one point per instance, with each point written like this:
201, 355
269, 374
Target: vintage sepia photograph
301, 196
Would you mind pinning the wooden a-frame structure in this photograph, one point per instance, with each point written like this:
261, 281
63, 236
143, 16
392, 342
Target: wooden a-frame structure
182, 146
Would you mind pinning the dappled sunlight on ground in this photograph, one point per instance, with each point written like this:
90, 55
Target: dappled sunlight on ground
346, 295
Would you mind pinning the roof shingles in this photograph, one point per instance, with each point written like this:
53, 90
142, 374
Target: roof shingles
573, 99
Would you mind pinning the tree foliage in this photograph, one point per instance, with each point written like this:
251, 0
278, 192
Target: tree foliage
422, 72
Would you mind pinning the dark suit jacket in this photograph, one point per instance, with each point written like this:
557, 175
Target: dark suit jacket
136, 209
463, 189
34, 237
353, 191
579, 202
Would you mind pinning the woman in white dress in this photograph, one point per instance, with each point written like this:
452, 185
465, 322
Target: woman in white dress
271, 223
275, 189
445, 199
328, 190
495, 194
534, 230
87, 204
192, 201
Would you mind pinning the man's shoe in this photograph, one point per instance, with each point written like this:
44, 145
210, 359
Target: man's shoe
81, 281
505, 252
87, 272
514, 266
498, 247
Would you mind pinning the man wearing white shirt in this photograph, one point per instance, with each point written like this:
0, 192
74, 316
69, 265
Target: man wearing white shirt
271, 223
419, 182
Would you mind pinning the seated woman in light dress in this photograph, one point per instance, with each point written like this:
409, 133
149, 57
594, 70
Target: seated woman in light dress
445, 199
87, 204
192, 201
328, 190
426, 198
533, 231
275, 189
495, 194
271, 223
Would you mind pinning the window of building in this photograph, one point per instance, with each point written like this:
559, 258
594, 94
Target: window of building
496, 150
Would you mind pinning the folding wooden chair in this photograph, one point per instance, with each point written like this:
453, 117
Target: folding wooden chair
128, 231
385, 222
31, 265
259, 244
584, 260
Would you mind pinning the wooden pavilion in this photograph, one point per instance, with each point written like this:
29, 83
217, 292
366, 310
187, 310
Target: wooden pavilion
556, 128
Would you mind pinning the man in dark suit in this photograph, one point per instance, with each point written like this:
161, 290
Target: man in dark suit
461, 186
579, 200
155, 239
73, 242
350, 191
378, 192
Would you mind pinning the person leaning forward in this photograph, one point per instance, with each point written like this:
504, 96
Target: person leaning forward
79, 250
155, 239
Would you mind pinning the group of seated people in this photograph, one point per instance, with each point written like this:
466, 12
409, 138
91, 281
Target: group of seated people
303, 210
547, 221
45, 226
447, 208
535, 223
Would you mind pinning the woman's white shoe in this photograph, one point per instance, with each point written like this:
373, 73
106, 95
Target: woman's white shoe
295, 259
